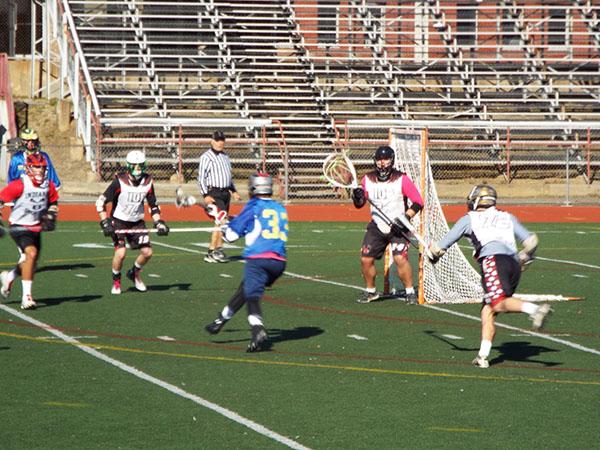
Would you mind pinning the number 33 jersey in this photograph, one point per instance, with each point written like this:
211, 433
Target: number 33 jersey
264, 223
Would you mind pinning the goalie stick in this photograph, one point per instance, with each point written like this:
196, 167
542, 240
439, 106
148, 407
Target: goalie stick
339, 165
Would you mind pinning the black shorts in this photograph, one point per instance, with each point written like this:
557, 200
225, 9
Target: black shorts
375, 242
134, 239
500, 277
222, 197
25, 238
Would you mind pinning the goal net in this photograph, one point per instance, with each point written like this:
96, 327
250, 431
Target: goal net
452, 279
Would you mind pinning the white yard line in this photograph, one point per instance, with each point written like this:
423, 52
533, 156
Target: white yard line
436, 308
163, 384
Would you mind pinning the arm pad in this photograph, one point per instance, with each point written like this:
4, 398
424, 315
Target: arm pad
100, 203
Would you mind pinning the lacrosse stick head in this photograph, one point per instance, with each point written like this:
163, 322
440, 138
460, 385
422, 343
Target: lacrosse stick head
339, 171
182, 200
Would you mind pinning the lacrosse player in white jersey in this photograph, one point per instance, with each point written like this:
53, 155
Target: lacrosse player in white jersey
126, 223
492, 233
394, 194
35, 209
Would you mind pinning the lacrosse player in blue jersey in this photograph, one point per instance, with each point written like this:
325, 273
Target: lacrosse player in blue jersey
264, 223
492, 233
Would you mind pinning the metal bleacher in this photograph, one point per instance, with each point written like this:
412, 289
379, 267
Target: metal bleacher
308, 66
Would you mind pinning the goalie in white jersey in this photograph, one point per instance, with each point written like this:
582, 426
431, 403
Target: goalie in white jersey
392, 194
492, 233
35, 209
127, 193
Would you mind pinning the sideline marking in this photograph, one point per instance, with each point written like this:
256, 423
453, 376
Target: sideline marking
453, 337
357, 337
336, 367
260, 429
436, 308
68, 405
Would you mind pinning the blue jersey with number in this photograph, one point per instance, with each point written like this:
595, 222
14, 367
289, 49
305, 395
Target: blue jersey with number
264, 223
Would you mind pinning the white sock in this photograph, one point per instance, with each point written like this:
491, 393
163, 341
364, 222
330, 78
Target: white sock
11, 275
255, 320
529, 308
26, 287
227, 313
410, 290
371, 290
485, 348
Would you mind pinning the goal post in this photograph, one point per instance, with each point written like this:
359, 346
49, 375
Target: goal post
452, 279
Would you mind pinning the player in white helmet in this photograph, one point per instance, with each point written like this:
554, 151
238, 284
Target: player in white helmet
394, 194
493, 234
125, 224
35, 210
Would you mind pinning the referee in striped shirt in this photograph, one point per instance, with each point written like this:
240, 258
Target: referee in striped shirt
216, 186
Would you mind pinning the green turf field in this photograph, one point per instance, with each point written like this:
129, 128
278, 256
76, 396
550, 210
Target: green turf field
339, 374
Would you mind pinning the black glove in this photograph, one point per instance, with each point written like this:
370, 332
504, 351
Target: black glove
2, 229
48, 222
358, 194
107, 227
398, 229
162, 228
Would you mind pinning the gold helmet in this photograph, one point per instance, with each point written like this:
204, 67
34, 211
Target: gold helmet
27, 136
481, 196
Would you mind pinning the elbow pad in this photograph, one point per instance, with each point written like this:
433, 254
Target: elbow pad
100, 203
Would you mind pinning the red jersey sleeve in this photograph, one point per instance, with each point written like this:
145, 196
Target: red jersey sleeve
52, 193
12, 191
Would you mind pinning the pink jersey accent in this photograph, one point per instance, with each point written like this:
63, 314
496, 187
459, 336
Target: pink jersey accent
269, 255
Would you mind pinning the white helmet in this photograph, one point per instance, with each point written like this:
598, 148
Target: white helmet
260, 184
133, 159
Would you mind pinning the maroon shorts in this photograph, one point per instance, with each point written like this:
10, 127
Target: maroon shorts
375, 242
500, 277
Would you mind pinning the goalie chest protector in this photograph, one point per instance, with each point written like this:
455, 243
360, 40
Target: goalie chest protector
130, 202
387, 196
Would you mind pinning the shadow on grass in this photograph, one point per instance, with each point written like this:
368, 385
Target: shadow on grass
4, 348
519, 351
278, 335
45, 302
65, 267
164, 287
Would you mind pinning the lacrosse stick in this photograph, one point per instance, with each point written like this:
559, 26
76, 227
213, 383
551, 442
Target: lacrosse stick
340, 172
185, 201
171, 230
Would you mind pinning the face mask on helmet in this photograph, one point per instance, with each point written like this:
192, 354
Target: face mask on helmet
384, 162
481, 196
260, 184
136, 164
35, 167
30, 140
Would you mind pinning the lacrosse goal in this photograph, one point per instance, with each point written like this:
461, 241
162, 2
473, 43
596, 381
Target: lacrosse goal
452, 279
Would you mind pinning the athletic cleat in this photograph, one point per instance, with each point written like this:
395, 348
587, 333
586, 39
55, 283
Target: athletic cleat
367, 297
5, 284
219, 256
412, 299
116, 288
481, 362
215, 326
134, 275
539, 317
209, 257
259, 339
28, 303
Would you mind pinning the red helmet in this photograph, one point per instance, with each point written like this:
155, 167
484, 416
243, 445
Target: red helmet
36, 167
